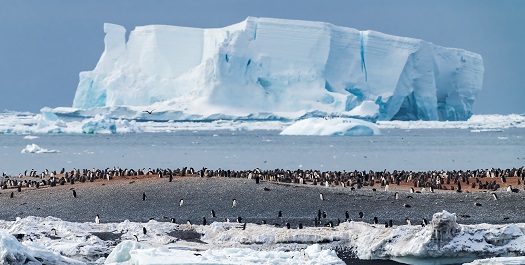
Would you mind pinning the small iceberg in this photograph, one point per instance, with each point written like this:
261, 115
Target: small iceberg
332, 126
35, 149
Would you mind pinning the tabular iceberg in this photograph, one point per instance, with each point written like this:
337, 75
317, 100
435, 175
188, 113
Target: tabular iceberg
285, 67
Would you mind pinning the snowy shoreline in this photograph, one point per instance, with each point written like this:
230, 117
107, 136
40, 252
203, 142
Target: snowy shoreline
123, 213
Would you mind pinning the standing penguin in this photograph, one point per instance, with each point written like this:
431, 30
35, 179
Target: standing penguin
144, 231
74, 193
97, 219
321, 196
144, 196
213, 213
204, 222
234, 203
280, 214
181, 202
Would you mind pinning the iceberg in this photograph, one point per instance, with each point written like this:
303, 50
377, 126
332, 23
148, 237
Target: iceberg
280, 68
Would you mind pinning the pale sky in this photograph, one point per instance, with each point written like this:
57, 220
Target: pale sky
45, 44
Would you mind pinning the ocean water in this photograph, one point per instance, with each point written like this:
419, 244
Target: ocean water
401, 149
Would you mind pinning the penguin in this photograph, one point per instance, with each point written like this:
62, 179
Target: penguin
181, 202
280, 214
408, 221
477, 204
74, 193
376, 221
386, 224
53, 232
361, 214
263, 222
406, 205
234, 203
188, 222
321, 196
97, 219
239, 219
204, 221
495, 196
172, 220
396, 196
12, 195
324, 214
144, 196
144, 231
411, 190
170, 178
425, 222
287, 225
431, 189
347, 215
390, 223
300, 225
318, 213
213, 213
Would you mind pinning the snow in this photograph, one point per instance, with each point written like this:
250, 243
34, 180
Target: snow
443, 240
127, 120
287, 68
35, 149
332, 126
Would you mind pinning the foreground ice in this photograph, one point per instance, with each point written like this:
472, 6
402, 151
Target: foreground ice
69, 120
332, 126
131, 252
443, 241
265, 65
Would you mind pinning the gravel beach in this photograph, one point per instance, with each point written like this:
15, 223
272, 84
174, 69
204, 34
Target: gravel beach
119, 200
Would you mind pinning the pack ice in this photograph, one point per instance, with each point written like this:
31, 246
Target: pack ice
281, 68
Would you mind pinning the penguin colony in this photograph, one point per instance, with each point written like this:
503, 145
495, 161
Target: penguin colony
428, 181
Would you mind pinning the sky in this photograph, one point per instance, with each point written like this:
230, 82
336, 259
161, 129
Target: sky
45, 44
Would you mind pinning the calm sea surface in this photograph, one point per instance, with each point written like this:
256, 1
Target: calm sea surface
422, 149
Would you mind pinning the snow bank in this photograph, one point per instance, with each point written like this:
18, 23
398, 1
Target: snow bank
332, 126
442, 241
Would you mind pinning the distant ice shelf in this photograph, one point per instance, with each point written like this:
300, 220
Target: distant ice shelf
264, 68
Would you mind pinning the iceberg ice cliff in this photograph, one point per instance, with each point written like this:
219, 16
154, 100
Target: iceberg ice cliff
285, 67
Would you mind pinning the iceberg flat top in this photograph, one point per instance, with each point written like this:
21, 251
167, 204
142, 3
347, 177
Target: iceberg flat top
283, 67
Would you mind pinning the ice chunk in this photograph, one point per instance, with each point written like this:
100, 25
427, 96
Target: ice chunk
35, 149
332, 126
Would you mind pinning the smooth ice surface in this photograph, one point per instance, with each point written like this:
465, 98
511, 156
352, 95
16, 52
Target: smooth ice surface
443, 241
284, 67
329, 126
